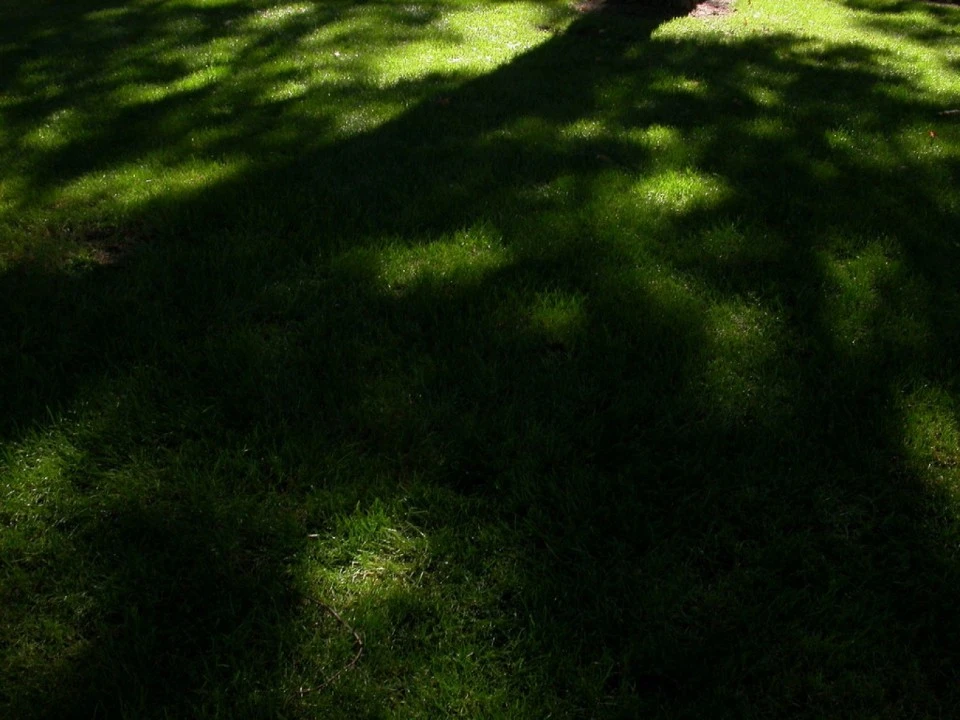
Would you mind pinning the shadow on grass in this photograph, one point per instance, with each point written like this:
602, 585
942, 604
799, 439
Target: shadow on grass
651, 337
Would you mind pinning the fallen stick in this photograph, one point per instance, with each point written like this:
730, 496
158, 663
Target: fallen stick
357, 643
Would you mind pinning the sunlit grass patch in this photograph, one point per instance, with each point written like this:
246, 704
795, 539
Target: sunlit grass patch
932, 437
468, 39
392, 584
368, 552
679, 190
559, 319
190, 84
462, 260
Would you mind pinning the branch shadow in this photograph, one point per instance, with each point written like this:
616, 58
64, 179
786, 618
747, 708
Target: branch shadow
760, 534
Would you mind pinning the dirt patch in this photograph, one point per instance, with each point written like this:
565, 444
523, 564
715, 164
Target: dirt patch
58, 247
109, 245
711, 8
694, 8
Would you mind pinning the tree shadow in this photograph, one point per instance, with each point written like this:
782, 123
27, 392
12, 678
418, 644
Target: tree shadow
761, 533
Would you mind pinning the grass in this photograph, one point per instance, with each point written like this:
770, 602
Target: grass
587, 365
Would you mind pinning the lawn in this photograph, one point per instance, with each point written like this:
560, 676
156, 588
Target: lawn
558, 364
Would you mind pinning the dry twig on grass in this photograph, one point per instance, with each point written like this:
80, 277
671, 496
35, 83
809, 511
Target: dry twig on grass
357, 644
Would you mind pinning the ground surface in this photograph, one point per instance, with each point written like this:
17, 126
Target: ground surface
710, 8
587, 365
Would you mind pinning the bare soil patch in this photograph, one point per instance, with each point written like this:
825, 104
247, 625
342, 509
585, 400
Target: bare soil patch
695, 8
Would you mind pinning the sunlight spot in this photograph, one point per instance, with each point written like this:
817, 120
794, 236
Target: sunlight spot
931, 436
681, 190
669, 83
839, 139
135, 183
464, 258
55, 132
273, 15
353, 122
585, 129
763, 96
143, 93
289, 90
106, 14
36, 468
369, 551
660, 137
559, 318
473, 39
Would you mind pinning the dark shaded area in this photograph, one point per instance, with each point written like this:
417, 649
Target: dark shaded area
786, 560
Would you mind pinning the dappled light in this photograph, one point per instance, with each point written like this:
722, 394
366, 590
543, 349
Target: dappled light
587, 364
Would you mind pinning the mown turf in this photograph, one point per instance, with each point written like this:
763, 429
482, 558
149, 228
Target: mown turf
589, 366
